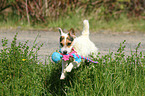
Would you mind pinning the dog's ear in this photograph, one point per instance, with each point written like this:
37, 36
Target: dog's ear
60, 31
71, 32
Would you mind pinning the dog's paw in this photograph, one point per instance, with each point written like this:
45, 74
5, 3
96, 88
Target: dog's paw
62, 76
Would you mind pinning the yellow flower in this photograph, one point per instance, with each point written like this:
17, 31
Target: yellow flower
23, 59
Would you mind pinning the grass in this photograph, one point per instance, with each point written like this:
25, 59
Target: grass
21, 73
121, 24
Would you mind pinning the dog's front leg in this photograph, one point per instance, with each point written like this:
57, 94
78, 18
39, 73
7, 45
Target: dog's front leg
63, 70
71, 65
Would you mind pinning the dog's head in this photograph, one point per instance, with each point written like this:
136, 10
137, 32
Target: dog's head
66, 40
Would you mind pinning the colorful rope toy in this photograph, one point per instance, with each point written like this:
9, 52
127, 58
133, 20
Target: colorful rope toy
56, 57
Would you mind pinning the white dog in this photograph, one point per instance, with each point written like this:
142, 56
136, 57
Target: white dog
82, 45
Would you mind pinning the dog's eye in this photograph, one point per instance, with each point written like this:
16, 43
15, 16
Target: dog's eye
61, 44
68, 44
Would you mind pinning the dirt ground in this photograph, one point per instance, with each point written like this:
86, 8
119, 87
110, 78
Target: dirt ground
104, 40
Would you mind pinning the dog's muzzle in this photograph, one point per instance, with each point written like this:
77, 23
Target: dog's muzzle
64, 52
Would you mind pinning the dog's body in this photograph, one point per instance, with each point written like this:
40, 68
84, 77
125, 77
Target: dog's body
82, 45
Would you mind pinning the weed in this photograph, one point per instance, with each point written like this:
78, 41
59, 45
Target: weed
115, 74
19, 72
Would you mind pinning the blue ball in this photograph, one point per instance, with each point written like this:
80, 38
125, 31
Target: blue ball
56, 57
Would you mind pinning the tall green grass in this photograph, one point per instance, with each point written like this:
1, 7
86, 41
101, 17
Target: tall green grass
121, 24
21, 73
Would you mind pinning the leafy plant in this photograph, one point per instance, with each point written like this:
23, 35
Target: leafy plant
19, 69
115, 74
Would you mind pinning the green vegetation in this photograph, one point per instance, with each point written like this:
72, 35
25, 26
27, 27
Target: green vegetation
21, 73
114, 25
112, 15
76, 22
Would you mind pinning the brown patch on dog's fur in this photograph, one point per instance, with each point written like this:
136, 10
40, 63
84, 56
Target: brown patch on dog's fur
72, 32
68, 43
62, 40
69, 40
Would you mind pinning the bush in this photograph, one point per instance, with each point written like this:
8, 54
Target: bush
38, 11
20, 73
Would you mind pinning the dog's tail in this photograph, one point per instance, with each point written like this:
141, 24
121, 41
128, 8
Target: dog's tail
86, 28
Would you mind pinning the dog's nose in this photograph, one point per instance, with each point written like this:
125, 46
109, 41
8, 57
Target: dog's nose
65, 52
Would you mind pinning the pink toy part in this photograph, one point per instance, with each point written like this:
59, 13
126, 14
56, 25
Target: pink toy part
66, 57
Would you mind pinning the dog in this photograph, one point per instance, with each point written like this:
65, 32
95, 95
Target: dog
82, 45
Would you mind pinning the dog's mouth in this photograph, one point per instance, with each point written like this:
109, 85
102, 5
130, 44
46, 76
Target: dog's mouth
64, 52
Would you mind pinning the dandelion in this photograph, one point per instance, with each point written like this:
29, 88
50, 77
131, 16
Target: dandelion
23, 59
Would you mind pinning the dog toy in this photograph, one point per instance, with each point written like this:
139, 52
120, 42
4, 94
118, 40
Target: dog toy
56, 57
